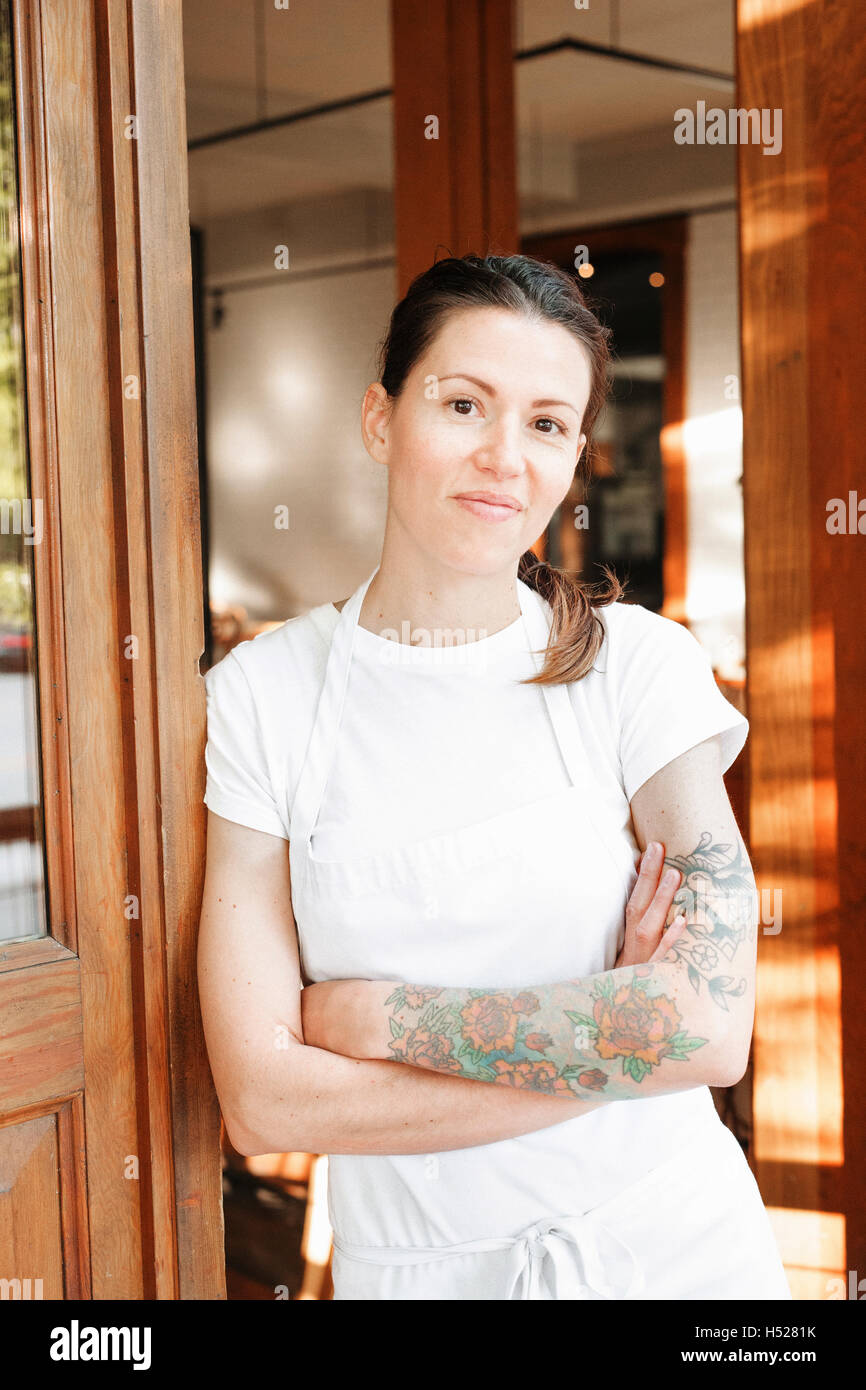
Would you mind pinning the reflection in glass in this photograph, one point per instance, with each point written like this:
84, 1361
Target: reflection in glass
22, 906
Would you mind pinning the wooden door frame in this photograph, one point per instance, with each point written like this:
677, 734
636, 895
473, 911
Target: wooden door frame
107, 312
666, 238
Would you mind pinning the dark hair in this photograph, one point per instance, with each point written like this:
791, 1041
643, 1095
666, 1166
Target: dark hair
540, 290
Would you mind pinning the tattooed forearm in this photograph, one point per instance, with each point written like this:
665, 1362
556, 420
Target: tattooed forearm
615, 1035
719, 900
638, 1030
612, 1034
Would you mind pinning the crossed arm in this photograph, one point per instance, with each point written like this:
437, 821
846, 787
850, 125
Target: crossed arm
642, 1029
284, 1086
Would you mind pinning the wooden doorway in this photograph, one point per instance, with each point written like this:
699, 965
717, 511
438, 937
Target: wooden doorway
109, 1127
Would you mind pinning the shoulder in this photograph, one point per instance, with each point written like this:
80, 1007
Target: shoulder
631, 622
274, 680
262, 697
665, 693
634, 635
298, 648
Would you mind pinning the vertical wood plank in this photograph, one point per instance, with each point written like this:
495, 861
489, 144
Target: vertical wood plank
72, 215
803, 289
453, 60
174, 581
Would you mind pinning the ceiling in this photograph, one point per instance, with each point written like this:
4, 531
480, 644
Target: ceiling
247, 61
698, 33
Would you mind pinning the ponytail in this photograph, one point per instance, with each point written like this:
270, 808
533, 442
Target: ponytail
576, 632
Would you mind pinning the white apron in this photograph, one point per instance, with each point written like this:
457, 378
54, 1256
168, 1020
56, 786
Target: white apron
648, 1198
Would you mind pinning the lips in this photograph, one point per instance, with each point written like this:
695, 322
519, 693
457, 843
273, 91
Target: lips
490, 506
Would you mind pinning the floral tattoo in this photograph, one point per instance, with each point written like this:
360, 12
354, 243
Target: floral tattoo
501, 1035
718, 897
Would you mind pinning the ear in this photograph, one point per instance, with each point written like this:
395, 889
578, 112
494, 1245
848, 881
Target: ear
375, 421
582, 443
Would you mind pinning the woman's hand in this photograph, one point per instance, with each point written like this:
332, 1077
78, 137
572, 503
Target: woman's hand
647, 908
347, 1016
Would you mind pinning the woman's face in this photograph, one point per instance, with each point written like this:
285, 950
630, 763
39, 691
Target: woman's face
482, 443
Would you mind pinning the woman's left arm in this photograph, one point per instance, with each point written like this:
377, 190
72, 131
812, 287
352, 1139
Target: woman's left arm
614, 1035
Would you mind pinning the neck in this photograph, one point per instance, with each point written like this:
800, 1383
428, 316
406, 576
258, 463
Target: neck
425, 601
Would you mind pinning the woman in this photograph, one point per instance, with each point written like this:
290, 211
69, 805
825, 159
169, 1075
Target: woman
467, 757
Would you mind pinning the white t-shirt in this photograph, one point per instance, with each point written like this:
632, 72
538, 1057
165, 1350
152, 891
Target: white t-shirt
452, 722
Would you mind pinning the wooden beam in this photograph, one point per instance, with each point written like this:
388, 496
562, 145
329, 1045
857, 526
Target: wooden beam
455, 161
168, 570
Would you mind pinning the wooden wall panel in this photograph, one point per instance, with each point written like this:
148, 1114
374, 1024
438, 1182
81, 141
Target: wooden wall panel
41, 1042
803, 310
30, 1222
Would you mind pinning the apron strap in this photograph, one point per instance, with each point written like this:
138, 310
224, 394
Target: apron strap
326, 725
569, 737
556, 697
541, 1259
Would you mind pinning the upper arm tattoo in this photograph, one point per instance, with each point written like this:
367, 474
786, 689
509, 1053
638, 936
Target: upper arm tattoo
719, 900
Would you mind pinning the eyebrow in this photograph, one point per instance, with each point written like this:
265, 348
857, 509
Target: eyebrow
485, 386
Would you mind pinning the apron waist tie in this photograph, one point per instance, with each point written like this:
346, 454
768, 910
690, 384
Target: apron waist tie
531, 1250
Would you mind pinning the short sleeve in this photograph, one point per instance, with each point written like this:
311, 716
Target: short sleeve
668, 700
239, 786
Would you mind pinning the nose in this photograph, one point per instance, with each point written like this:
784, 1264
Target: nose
500, 450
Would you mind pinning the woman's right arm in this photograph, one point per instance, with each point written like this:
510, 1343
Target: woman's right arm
276, 1094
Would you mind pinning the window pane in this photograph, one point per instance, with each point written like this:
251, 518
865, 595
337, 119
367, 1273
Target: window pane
22, 904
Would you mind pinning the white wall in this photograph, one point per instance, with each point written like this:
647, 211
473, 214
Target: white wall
286, 373
713, 442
